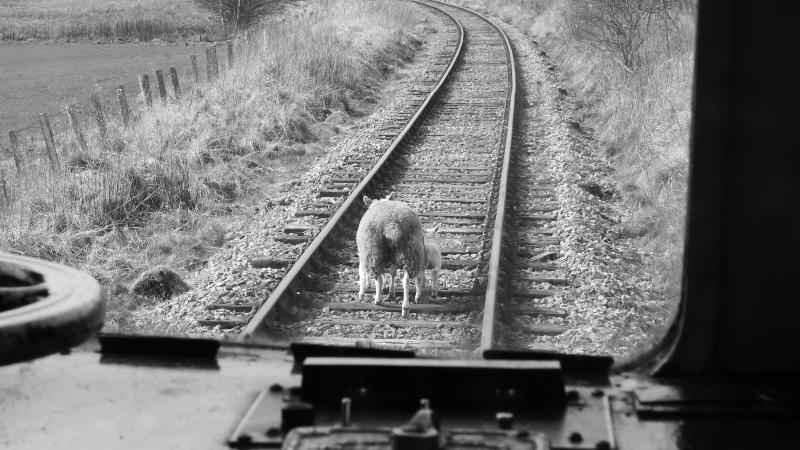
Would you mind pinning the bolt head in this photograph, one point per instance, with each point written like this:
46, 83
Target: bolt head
575, 437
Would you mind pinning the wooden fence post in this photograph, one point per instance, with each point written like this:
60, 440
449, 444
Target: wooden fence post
76, 128
230, 55
195, 70
98, 115
124, 110
212, 68
144, 85
47, 132
12, 137
162, 88
176, 84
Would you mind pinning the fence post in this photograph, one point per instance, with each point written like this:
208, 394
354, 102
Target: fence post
76, 128
98, 115
144, 86
47, 132
162, 88
230, 55
124, 110
212, 68
195, 70
12, 137
176, 84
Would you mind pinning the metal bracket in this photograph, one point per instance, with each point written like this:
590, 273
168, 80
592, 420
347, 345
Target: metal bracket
371, 395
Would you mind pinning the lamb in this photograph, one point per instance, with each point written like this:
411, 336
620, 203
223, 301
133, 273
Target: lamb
390, 234
433, 262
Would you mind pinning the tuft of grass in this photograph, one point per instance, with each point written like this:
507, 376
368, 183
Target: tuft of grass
126, 20
163, 191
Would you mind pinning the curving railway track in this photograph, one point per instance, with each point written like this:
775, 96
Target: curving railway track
452, 158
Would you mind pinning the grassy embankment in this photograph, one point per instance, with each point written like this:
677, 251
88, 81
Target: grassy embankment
164, 191
125, 20
633, 89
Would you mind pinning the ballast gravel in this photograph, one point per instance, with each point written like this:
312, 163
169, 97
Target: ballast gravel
612, 305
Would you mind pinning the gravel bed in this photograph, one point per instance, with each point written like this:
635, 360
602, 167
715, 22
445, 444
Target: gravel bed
228, 275
449, 137
609, 301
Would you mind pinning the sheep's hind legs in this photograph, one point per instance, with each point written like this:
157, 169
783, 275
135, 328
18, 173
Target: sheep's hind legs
378, 289
363, 281
419, 280
406, 307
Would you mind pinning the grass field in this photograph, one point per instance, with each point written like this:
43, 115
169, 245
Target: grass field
126, 20
37, 77
165, 190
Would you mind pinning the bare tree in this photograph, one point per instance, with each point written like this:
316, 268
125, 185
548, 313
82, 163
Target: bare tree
618, 28
237, 15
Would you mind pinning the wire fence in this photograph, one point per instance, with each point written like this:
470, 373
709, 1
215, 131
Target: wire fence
122, 104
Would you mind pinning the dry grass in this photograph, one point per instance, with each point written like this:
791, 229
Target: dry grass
160, 192
641, 118
127, 20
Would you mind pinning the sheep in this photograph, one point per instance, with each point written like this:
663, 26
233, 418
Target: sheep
433, 262
390, 234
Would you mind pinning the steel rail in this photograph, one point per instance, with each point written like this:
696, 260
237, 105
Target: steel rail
493, 283
296, 271
493, 288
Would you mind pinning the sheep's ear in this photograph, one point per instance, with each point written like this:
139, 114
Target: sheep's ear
367, 200
389, 197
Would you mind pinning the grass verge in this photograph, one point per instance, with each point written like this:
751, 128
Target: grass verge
126, 20
164, 191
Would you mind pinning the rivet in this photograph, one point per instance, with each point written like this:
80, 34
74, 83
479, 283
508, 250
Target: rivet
573, 395
275, 388
575, 437
244, 438
598, 393
505, 420
273, 432
345, 412
295, 391
602, 445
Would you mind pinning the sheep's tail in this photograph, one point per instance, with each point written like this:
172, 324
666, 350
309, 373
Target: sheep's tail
393, 234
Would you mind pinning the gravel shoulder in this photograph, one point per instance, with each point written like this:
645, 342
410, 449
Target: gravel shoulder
613, 306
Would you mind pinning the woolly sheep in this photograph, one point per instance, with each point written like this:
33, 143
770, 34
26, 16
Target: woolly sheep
433, 262
390, 234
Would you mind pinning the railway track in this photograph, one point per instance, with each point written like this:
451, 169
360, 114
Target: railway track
450, 159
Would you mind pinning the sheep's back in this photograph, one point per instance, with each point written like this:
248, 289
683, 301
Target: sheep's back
391, 232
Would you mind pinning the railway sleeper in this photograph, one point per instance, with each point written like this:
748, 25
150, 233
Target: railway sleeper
527, 293
444, 292
543, 329
539, 278
292, 238
241, 307
450, 264
396, 323
224, 324
301, 228
316, 212
390, 343
533, 310
428, 308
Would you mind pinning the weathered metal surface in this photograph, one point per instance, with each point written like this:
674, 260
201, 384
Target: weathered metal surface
45, 307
